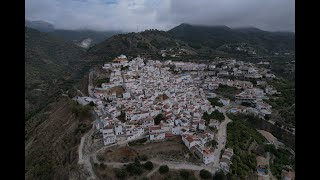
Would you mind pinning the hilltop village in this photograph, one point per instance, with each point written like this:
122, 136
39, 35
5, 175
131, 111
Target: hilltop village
156, 100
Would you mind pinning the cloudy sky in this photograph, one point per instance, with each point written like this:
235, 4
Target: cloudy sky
133, 15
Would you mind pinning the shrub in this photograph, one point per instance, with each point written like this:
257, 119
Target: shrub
102, 166
205, 174
148, 165
134, 168
143, 157
158, 118
163, 169
185, 174
121, 174
219, 176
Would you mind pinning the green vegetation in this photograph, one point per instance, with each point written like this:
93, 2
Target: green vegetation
219, 176
204, 174
214, 115
187, 175
102, 166
79, 110
122, 117
240, 136
285, 102
283, 159
215, 37
163, 169
158, 119
138, 142
143, 157
215, 102
213, 143
135, 168
100, 81
227, 91
148, 165
81, 128
121, 173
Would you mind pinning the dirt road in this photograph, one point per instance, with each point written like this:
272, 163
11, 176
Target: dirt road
221, 139
87, 154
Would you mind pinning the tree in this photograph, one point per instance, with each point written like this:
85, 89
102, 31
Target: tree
184, 174
134, 168
204, 174
219, 176
91, 103
246, 104
213, 143
102, 166
163, 169
158, 118
121, 174
148, 165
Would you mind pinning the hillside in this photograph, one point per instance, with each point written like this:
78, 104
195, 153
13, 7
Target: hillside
49, 62
79, 35
51, 152
214, 37
52, 67
148, 43
202, 41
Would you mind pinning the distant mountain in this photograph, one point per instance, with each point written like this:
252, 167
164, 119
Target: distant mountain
40, 25
148, 43
214, 37
77, 36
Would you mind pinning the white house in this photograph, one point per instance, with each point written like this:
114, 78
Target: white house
147, 122
157, 136
176, 130
134, 133
118, 129
190, 141
224, 101
201, 125
270, 76
108, 135
205, 154
126, 95
225, 160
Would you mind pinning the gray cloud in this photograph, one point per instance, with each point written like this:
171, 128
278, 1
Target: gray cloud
130, 15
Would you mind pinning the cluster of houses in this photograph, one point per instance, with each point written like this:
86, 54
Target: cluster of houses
199, 144
224, 68
255, 97
139, 90
211, 83
174, 52
148, 89
226, 159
